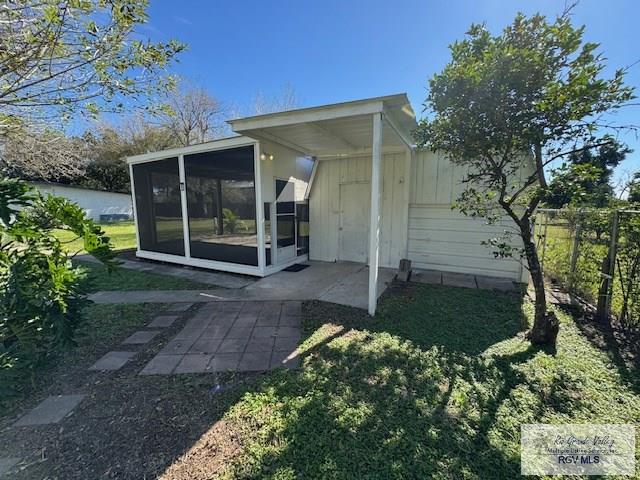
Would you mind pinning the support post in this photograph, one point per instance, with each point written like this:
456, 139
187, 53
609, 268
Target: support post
613, 251
183, 206
374, 226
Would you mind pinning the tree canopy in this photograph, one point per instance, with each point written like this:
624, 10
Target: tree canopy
60, 58
506, 106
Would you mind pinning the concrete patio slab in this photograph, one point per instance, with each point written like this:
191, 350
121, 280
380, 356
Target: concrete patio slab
225, 362
232, 345
458, 280
194, 363
51, 410
112, 361
180, 307
353, 289
163, 321
7, 464
161, 365
285, 359
141, 337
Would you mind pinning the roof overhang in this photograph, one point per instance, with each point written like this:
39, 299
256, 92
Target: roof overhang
337, 129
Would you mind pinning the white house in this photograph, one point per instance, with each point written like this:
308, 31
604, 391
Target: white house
98, 205
335, 183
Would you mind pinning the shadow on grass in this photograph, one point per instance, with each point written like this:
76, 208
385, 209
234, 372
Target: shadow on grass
406, 394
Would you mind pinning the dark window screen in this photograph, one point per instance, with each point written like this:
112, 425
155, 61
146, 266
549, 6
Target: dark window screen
221, 203
157, 189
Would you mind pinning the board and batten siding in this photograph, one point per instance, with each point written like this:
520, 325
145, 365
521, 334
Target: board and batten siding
440, 238
324, 208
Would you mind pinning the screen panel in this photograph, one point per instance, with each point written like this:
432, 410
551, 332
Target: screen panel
221, 204
158, 206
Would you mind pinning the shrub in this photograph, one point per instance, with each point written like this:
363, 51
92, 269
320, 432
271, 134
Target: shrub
41, 294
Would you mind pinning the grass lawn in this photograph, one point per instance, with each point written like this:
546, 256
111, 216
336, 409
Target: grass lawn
122, 235
435, 386
99, 278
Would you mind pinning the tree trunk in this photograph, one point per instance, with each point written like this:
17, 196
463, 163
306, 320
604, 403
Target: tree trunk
545, 324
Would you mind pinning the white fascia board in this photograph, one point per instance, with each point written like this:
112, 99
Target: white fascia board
316, 114
406, 139
239, 141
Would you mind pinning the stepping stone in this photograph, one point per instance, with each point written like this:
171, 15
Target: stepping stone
458, 280
163, 321
141, 337
51, 410
6, 464
112, 361
193, 363
180, 307
161, 365
426, 276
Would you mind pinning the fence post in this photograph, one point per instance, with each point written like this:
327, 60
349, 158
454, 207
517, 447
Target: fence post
575, 251
613, 250
544, 240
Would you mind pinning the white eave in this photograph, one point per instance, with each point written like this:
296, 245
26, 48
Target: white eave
337, 129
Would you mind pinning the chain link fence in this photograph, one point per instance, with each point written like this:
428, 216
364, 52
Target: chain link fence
595, 255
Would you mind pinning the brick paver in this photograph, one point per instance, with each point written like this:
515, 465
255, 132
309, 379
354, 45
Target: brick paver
233, 336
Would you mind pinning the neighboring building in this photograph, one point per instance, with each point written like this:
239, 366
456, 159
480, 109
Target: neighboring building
334, 183
98, 205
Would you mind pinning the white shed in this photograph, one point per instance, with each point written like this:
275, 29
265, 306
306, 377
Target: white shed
335, 183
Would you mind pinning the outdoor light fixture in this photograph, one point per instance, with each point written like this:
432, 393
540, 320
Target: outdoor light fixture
266, 156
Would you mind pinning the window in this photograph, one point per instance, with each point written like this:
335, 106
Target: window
158, 207
285, 213
221, 205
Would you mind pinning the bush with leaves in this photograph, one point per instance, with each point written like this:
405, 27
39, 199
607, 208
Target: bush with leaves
41, 294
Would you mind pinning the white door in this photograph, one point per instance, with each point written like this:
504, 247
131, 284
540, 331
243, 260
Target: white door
285, 221
354, 222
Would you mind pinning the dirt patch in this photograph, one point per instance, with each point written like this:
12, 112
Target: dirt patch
127, 426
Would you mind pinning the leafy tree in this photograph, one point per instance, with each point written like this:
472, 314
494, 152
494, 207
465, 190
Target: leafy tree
509, 105
40, 292
61, 58
107, 168
585, 180
634, 188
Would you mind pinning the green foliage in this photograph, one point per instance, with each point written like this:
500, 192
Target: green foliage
61, 58
634, 189
40, 292
586, 179
507, 106
231, 220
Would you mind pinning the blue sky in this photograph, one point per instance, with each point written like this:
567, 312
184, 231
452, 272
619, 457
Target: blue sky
331, 50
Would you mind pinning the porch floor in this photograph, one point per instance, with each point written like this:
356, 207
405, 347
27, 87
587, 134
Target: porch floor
342, 283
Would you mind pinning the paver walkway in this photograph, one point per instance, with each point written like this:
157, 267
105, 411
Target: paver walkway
342, 283
233, 336
464, 280
51, 410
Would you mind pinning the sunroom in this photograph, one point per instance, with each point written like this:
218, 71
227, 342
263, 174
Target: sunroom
204, 205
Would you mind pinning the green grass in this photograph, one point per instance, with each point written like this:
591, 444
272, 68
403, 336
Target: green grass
122, 235
99, 278
436, 386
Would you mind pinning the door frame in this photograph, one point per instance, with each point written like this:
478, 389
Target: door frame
285, 254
